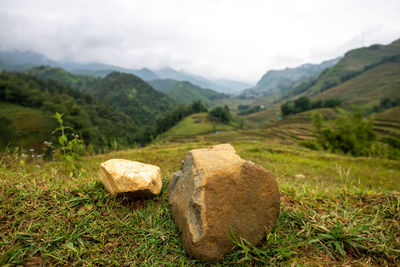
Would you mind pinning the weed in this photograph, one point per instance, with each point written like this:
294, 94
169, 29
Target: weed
69, 150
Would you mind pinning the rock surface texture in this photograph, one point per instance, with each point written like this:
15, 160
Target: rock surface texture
217, 192
135, 179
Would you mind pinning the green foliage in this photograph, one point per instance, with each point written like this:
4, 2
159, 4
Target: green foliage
350, 133
8, 131
303, 104
391, 141
308, 144
95, 121
184, 93
63, 77
220, 114
69, 150
388, 103
354, 64
131, 95
246, 109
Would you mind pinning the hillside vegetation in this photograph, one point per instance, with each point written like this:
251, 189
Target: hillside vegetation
63, 77
95, 121
185, 93
368, 88
131, 95
354, 63
338, 170
282, 82
197, 124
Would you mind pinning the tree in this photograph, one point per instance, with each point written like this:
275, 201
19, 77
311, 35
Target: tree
197, 107
220, 114
302, 104
350, 133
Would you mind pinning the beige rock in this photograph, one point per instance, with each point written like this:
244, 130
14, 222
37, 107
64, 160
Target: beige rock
215, 192
136, 179
300, 176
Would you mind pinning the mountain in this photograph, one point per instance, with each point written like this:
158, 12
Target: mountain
369, 87
234, 86
185, 92
27, 103
123, 91
133, 96
279, 82
63, 77
223, 86
354, 63
102, 70
23, 60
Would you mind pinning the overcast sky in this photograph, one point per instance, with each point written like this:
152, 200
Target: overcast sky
235, 39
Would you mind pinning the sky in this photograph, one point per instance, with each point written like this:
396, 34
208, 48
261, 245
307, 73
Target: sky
232, 39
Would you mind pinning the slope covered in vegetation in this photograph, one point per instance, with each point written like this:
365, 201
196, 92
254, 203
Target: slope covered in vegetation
63, 77
185, 93
38, 99
354, 63
133, 96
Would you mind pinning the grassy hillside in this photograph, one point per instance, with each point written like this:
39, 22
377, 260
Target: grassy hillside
368, 88
30, 127
345, 211
196, 124
353, 63
34, 100
185, 93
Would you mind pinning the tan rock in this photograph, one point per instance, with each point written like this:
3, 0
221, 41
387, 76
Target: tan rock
215, 192
136, 179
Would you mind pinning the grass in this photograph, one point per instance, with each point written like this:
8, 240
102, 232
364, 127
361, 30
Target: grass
369, 87
197, 124
345, 211
32, 125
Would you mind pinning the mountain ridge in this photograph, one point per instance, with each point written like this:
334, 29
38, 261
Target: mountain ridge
23, 60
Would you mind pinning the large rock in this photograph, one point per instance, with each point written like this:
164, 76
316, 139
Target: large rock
135, 179
216, 193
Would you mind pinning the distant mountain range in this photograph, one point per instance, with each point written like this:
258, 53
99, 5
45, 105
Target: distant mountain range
280, 82
23, 60
363, 78
183, 93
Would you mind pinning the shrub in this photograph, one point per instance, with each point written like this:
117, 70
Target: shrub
221, 114
309, 144
350, 133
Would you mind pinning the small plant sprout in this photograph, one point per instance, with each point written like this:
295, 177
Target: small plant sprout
69, 151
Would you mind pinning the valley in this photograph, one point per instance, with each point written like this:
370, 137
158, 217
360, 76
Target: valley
337, 165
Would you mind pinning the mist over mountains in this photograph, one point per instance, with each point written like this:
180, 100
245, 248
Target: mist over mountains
23, 60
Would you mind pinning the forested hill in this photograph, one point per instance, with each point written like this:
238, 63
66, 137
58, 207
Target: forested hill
185, 93
28, 102
133, 96
64, 77
126, 92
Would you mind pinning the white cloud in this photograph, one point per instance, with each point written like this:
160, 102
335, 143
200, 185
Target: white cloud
234, 39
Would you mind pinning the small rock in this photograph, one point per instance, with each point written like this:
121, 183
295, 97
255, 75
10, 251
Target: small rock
135, 179
300, 176
216, 193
